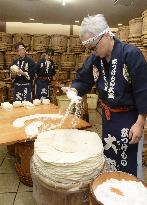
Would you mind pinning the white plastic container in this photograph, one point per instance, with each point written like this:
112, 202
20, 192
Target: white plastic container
63, 102
36, 102
46, 101
92, 100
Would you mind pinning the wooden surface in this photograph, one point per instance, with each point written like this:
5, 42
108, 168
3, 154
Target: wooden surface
10, 134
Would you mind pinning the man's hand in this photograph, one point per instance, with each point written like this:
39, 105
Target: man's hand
68, 89
72, 94
135, 133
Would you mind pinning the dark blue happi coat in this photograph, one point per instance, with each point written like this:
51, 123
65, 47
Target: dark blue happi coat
44, 71
22, 84
121, 83
22, 92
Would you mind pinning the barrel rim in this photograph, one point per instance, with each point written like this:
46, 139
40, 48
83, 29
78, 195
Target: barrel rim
58, 35
116, 173
139, 19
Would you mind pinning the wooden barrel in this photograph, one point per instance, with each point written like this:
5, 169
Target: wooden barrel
9, 41
5, 98
40, 42
75, 44
144, 28
24, 152
6, 41
135, 27
1, 94
4, 74
144, 24
62, 75
137, 41
135, 31
2, 85
107, 176
33, 55
123, 33
2, 41
59, 43
57, 60
72, 75
24, 38
1, 61
68, 61
9, 57
144, 40
45, 195
80, 59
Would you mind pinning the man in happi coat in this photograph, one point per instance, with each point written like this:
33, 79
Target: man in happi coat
119, 71
45, 72
22, 73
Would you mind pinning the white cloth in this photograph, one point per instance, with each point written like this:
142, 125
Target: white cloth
91, 40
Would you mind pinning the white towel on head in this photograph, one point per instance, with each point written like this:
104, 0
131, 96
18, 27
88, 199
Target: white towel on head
92, 39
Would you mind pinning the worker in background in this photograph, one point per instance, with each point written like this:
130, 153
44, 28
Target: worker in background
44, 72
119, 71
22, 74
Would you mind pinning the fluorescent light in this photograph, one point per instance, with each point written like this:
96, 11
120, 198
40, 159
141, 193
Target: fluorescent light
63, 2
31, 19
119, 24
77, 21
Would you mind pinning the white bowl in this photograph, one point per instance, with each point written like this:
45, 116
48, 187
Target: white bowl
36, 102
17, 104
46, 101
28, 105
7, 106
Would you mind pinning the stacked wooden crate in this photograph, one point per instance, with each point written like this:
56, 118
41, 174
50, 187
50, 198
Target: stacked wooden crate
136, 33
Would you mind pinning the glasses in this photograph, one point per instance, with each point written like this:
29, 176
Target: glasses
94, 47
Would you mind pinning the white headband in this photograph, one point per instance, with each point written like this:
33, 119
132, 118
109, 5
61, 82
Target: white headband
91, 40
21, 47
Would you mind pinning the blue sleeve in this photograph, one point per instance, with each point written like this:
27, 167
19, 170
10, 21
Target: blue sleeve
137, 67
84, 78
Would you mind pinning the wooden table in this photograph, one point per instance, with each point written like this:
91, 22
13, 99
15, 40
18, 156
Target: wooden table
11, 135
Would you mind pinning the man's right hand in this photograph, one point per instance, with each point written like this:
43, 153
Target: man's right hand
72, 94
69, 89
